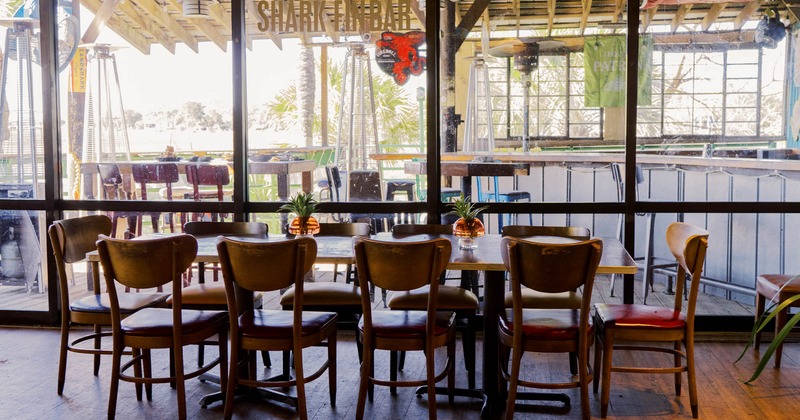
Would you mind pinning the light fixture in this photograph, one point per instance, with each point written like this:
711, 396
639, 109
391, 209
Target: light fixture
195, 8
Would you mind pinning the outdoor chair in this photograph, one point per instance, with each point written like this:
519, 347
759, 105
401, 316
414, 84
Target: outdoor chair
146, 175
652, 324
248, 268
216, 176
71, 240
548, 268
146, 264
404, 266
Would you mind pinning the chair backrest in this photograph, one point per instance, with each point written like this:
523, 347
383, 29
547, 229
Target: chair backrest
155, 173
410, 229
536, 265
226, 228
111, 181
688, 244
574, 232
401, 266
249, 267
208, 175
146, 263
344, 229
365, 185
72, 239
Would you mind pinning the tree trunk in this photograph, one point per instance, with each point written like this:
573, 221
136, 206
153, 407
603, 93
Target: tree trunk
305, 94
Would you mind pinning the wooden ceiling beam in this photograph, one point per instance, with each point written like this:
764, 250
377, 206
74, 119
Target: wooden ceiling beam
148, 26
619, 11
116, 24
677, 20
217, 12
712, 15
202, 24
419, 13
164, 19
649, 15
551, 16
586, 6
252, 10
747, 12
468, 22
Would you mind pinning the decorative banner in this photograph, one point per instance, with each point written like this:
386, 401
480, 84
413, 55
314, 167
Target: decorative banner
398, 54
604, 67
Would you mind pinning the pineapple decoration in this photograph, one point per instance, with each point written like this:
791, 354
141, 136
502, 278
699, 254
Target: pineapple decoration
303, 206
468, 226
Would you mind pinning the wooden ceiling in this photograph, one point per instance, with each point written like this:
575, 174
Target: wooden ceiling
144, 23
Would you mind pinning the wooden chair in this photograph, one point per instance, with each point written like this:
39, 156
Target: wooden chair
642, 323
548, 268
147, 174
535, 299
777, 288
244, 265
211, 295
459, 300
216, 176
71, 240
404, 266
146, 264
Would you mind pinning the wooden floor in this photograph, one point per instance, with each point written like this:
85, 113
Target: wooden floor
28, 360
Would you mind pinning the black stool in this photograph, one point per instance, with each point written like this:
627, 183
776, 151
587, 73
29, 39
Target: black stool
395, 187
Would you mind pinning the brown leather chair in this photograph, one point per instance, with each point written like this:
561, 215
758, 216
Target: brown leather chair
777, 288
451, 298
651, 324
532, 298
211, 295
71, 240
244, 265
147, 264
548, 268
404, 266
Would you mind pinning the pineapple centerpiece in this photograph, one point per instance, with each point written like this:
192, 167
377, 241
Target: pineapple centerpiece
468, 226
303, 206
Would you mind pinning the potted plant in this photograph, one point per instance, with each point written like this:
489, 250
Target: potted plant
303, 206
468, 226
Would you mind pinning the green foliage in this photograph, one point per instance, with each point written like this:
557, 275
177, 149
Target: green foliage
762, 322
303, 205
464, 208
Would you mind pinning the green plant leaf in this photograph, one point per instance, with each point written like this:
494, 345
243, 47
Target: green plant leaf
777, 341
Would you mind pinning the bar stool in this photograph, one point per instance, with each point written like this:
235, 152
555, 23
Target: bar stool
400, 187
506, 197
648, 262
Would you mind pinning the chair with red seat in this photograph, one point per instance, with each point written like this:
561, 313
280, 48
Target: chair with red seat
652, 324
777, 288
147, 174
548, 268
404, 266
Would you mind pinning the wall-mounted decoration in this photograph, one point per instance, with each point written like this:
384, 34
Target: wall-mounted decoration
604, 64
397, 54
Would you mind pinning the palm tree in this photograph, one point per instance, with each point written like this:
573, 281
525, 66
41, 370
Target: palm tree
305, 94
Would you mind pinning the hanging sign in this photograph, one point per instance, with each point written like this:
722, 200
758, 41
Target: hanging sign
306, 16
604, 66
398, 55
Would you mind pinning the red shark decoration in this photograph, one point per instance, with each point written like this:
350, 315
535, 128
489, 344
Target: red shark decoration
398, 54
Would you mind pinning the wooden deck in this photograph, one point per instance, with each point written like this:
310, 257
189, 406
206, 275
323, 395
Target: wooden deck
17, 298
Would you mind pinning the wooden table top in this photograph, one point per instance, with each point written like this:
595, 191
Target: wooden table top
339, 250
469, 168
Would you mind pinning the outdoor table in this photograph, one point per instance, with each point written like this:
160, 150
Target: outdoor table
487, 258
468, 169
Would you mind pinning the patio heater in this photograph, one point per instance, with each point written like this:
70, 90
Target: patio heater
357, 132
479, 108
526, 59
105, 127
18, 129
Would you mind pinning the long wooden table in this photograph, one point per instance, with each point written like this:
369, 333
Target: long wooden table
487, 258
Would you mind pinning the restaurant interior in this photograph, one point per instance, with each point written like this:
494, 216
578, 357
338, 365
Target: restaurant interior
644, 132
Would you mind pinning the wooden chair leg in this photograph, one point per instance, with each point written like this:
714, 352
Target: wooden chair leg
393, 371
583, 366
233, 372
431, 375
597, 368
516, 359
62, 355
608, 348
300, 382
780, 321
690, 372
180, 383
148, 373
362, 387
760, 302
116, 362
332, 368
678, 361
137, 372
